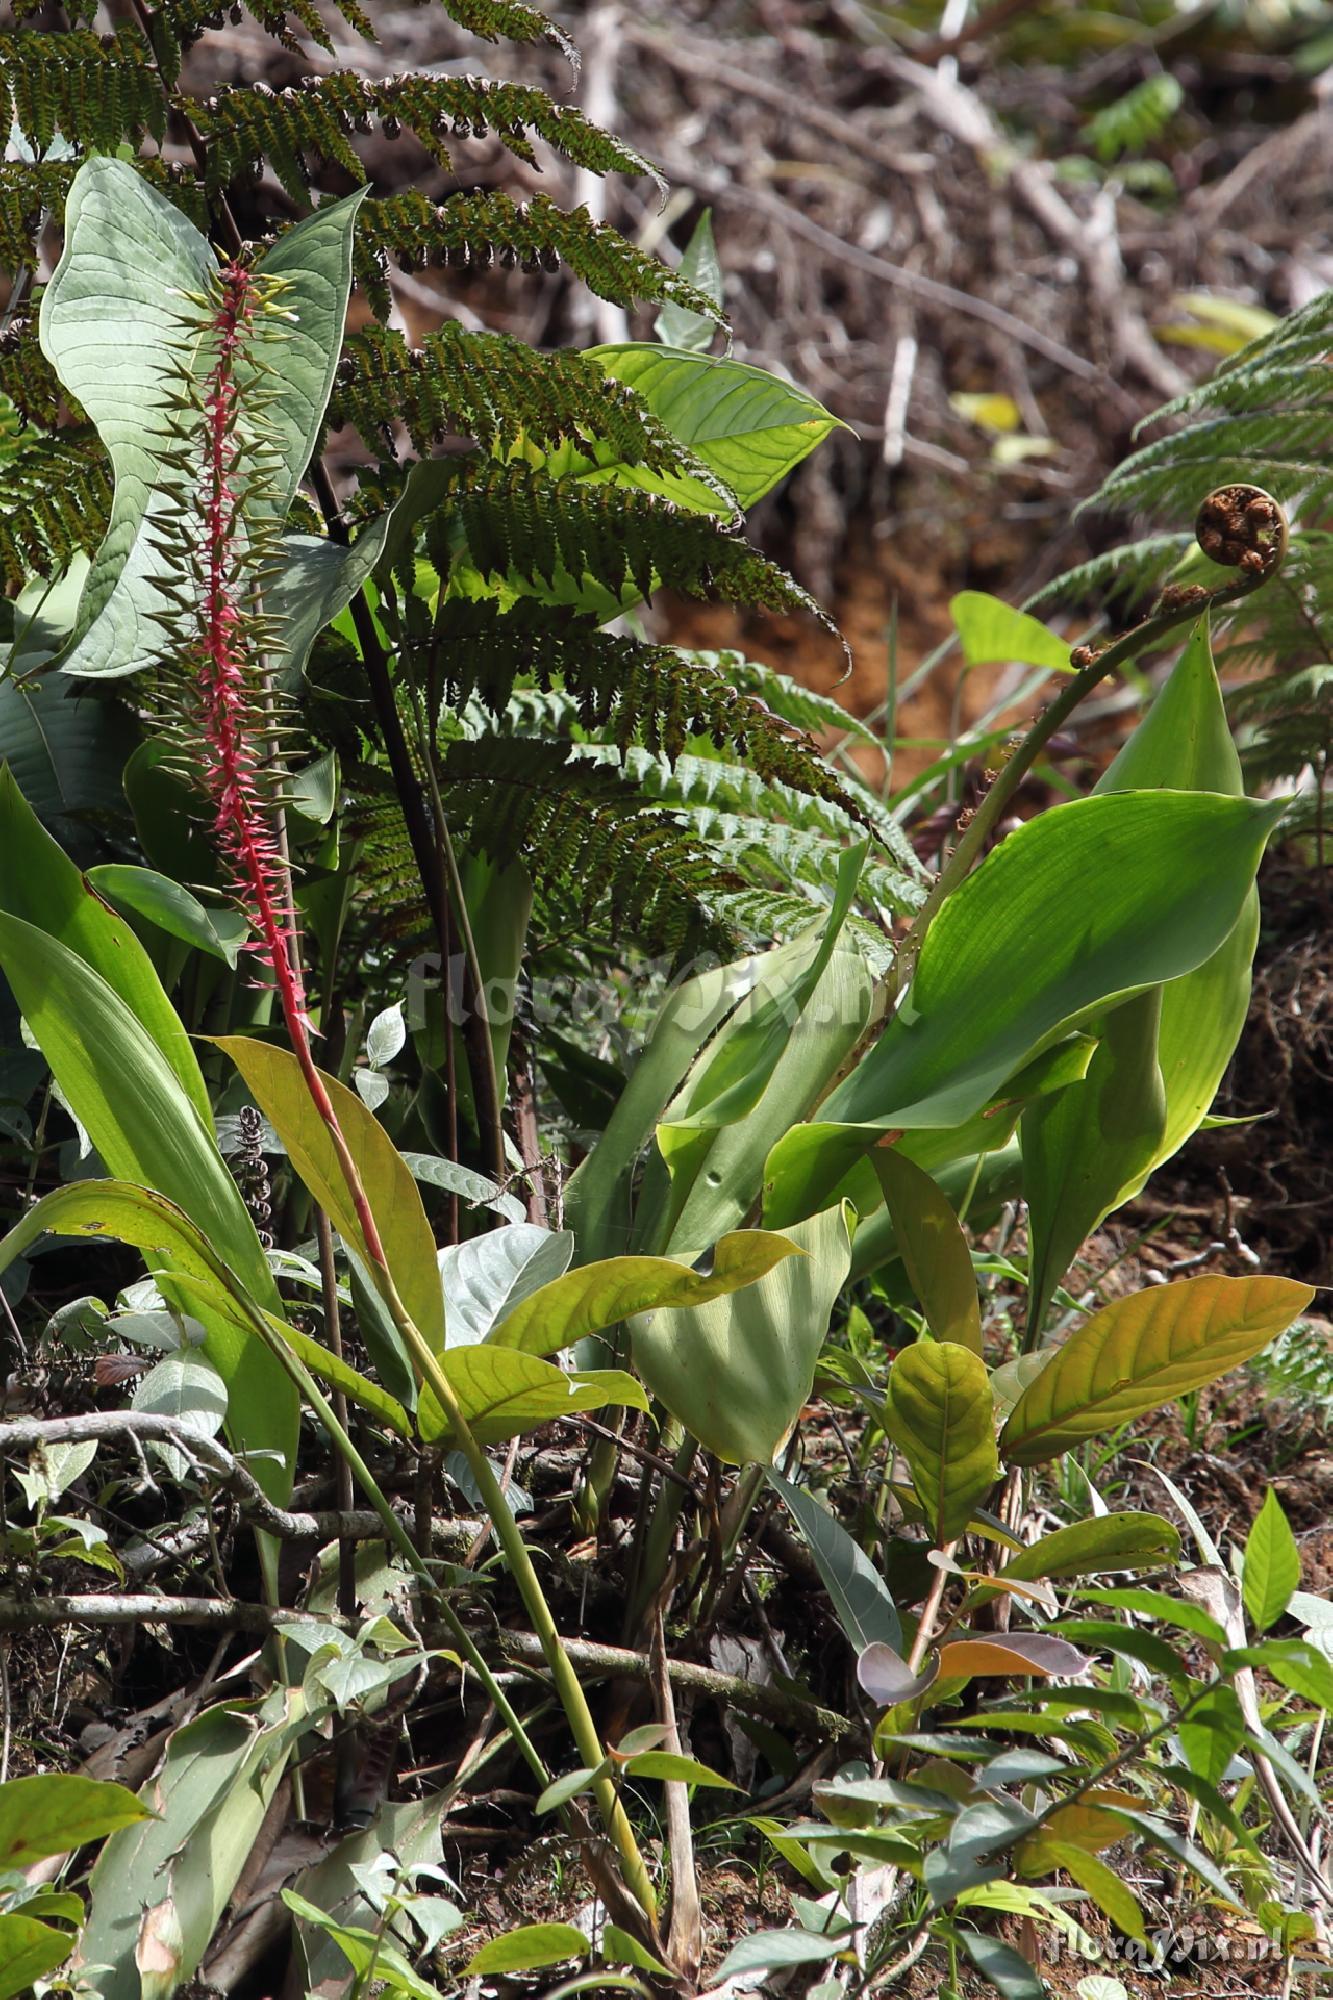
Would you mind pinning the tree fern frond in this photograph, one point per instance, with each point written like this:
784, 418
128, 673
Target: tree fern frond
471, 231
1286, 451
598, 856
320, 114
95, 90
513, 522
55, 498
27, 377
629, 692
497, 390
1123, 575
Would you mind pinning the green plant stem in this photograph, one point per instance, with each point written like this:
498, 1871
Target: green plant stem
1148, 632
657, 1546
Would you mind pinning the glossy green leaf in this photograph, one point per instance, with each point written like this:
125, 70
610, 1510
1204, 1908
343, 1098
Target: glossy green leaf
1105, 1888
1085, 904
528, 1949
1096, 1547
677, 326
504, 1392
55, 1813
992, 631
1143, 1351
1212, 1733
150, 1133
857, 1591
29, 1949
41, 886
934, 1249
274, 1079
671, 1768
748, 426
170, 906
371, 1955
938, 1413
1162, 1055
768, 1951
112, 328
1084, 1145
315, 582
715, 1177
159, 1889
737, 1371
67, 750
489, 1277
1272, 1567
596, 1296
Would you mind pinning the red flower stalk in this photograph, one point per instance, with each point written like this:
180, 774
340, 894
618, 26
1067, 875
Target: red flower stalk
233, 708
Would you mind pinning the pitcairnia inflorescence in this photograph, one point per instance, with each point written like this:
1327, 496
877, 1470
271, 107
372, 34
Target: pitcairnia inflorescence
220, 681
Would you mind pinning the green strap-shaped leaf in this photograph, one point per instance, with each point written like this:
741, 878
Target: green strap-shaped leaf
40, 885
279, 1089
1143, 1351
938, 1413
149, 1132
115, 326
1161, 1055
1085, 904
866, 1612
934, 1249
596, 1296
736, 1372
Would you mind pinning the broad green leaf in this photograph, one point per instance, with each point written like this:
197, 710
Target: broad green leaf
597, 1200
488, 1277
1001, 1966
113, 328
859, 1595
1143, 1351
992, 630
527, 1949
1024, 947
370, 1954
408, 1833
671, 1768
54, 1814
938, 1413
41, 886
170, 906
716, 1176
150, 1133
1162, 1055
67, 750
749, 427
29, 1949
934, 1249
817, 1162
677, 326
1272, 1567
1094, 1878
159, 1889
596, 1296
504, 1392
1212, 1733
1091, 1548
768, 1951
274, 1079
571, 1785
1087, 1143
736, 1371
315, 581
743, 1057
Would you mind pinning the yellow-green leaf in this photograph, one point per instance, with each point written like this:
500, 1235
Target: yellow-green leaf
503, 1392
934, 1248
1143, 1351
939, 1414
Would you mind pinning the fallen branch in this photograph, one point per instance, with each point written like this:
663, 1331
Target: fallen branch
108, 1608
617, 1662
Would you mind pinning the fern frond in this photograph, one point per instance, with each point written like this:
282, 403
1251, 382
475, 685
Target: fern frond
630, 693
1123, 576
27, 377
1285, 450
55, 498
513, 522
1135, 120
320, 114
597, 855
95, 90
497, 390
472, 231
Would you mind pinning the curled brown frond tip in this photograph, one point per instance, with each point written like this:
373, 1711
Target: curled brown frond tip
1242, 527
